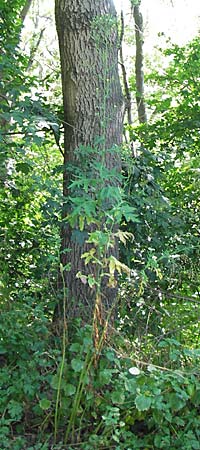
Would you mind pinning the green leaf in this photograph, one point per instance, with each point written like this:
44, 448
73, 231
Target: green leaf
81, 223
129, 214
23, 167
110, 355
117, 397
91, 281
105, 376
143, 402
175, 402
45, 404
77, 364
75, 347
196, 398
2, 350
135, 2
54, 381
69, 389
190, 388
15, 409
131, 385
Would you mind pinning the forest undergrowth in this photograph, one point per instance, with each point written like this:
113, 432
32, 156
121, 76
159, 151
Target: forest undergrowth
128, 378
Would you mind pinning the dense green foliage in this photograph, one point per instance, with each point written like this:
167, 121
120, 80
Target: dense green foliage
165, 174
132, 384
29, 158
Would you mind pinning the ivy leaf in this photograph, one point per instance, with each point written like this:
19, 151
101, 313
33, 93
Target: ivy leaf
143, 402
45, 404
130, 385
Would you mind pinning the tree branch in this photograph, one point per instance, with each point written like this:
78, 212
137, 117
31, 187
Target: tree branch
35, 47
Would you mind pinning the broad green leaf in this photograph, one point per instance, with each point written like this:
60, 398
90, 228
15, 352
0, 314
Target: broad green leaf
55, 381
23, 167
117, 397
105, 376
131, 385
45, 404
69, 389
196, 398
143, 402
75, 347
175, 401
77, 364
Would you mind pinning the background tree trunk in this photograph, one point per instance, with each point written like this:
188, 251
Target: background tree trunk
127, 93
88, 41
25, 10
141, 108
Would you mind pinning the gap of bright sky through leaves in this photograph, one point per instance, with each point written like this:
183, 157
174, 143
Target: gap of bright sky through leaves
178, 19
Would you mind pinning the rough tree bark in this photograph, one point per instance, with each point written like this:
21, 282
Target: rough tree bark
91, 92
142, 116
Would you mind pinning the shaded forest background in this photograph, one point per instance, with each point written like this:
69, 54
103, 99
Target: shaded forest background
128, 380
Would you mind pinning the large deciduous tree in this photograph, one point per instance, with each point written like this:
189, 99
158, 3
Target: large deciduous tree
139, 58
93, 112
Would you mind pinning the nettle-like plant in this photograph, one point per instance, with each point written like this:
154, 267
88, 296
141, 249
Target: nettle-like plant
98, 202
96, 208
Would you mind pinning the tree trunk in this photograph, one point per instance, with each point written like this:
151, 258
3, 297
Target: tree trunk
93, 107
127, 92
142, 116
25, 10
